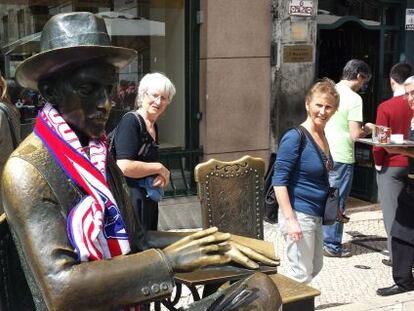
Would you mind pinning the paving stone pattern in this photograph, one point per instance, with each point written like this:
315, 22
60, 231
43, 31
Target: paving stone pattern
340, 281
349, 284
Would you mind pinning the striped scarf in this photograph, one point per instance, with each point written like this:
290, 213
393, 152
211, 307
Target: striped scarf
95, 227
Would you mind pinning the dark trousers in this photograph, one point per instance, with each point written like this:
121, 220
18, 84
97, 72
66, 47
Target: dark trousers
144, 208
402, 263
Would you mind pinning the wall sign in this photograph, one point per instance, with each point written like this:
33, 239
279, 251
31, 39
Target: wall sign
409, 19
298, 53
301, 7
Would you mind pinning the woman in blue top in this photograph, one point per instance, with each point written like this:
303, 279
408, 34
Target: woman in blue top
301, 183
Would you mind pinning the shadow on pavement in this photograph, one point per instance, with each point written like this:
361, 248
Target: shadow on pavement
330, 305
373, 243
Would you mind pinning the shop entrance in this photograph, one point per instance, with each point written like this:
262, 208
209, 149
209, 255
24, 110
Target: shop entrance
335, 47
351, 40
371, 31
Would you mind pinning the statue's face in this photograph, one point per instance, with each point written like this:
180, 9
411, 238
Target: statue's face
84, 98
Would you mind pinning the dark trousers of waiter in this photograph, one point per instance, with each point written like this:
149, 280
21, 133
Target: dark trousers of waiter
402, 263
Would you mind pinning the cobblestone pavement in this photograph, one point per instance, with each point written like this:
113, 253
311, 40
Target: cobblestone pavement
348, 280
349, 284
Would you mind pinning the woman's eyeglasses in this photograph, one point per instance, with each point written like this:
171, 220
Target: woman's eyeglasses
155, 97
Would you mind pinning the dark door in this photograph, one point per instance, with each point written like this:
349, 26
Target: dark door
351, 40
335, 48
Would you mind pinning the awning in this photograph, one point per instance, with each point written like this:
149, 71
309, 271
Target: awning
117, 26
328, 19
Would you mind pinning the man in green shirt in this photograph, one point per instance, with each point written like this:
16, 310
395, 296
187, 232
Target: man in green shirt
341, 131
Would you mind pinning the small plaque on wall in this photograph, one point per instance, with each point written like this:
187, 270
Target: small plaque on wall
301, 7
298, 53
409, 19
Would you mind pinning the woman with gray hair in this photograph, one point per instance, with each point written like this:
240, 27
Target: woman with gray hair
137, 151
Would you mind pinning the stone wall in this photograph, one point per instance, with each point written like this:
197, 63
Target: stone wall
235, 38
293, 70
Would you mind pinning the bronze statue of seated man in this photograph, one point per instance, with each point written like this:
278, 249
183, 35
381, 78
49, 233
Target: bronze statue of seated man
79, 241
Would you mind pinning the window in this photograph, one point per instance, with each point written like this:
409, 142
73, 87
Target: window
154, 28
5, 33
20, 23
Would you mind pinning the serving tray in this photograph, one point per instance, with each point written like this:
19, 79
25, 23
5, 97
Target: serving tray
405, 143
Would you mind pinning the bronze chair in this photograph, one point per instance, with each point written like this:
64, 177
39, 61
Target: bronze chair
15, 294
231, 195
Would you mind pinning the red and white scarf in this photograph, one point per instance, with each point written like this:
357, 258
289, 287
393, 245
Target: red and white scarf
95, 227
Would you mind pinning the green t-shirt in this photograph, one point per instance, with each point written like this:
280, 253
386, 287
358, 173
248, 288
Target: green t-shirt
337, 129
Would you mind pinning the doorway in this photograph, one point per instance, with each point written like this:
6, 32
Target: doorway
335, 47
350, 40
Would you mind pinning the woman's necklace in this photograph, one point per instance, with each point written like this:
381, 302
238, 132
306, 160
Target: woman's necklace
325, 145
321, 144
320, 139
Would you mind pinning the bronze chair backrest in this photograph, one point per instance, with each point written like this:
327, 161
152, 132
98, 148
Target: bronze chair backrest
231, 195
15, 294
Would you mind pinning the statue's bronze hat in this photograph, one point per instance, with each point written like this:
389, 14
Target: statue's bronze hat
71, 39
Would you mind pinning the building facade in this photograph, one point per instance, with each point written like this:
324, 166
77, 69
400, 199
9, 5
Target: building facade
314, 39
241, 67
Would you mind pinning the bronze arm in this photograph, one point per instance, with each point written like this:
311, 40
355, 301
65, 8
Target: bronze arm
39, 224
160, 239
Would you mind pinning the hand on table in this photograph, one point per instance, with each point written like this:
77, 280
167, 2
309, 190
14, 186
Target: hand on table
247, 256
211, 247
203, 248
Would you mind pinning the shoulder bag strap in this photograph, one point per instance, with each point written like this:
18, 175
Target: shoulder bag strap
135, 113
301, 141
141, 126
12, 133
318, 151
301, 137
143, 129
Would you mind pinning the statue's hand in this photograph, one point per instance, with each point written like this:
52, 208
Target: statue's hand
203, 248
247, 256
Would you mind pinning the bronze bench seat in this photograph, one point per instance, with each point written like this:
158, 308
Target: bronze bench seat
295, 296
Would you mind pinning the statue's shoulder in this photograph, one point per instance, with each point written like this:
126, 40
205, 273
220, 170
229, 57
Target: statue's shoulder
30, 159
32, 150
32, 164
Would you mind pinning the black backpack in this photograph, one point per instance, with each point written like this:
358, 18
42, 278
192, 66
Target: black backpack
112, 134
271, 206
270, 203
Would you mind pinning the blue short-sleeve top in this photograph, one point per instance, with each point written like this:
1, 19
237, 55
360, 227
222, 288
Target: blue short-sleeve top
303, 173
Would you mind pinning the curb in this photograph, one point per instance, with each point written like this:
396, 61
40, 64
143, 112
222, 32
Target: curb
366, 208
401, 302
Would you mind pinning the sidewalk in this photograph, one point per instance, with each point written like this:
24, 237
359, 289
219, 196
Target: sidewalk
349, 284
346, 284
